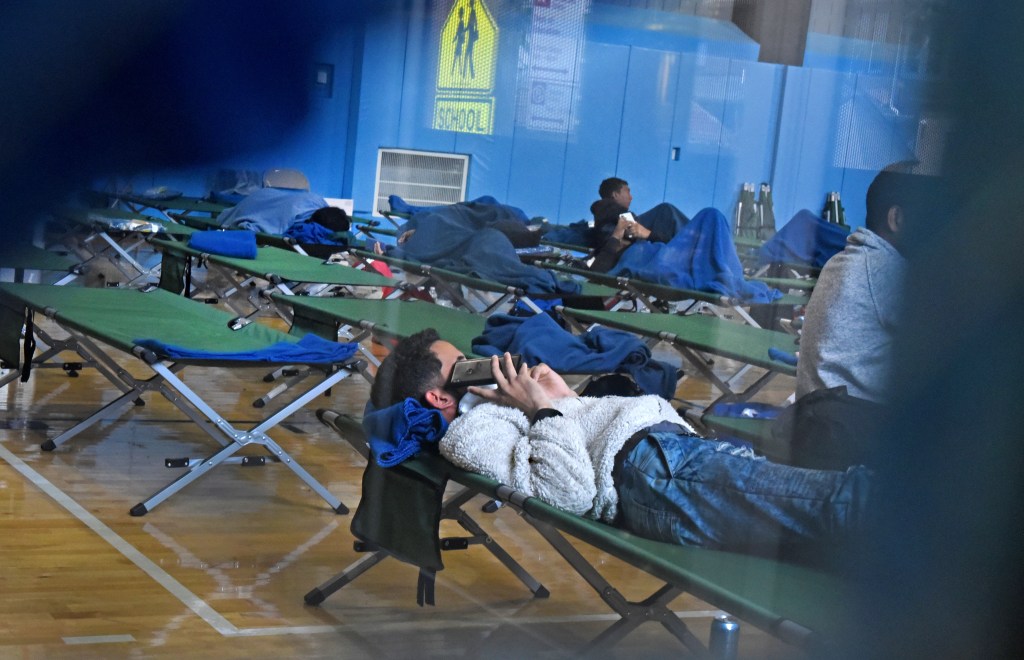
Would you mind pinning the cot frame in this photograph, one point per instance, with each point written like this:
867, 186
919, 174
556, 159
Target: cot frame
120, 247
693, 352
165, 381
680, 569
337, 278
452, 508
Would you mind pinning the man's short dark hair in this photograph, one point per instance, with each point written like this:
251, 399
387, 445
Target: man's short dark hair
409, 371
916, 194
610, 186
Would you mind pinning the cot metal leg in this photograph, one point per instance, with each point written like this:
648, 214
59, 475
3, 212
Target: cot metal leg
654, 608
235, 439
453, 510
194, 473
339, 581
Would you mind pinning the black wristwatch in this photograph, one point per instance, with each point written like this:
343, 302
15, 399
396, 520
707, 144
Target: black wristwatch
544, 413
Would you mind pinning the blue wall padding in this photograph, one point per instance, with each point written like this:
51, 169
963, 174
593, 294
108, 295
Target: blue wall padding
647, 117
592, 151
647, 82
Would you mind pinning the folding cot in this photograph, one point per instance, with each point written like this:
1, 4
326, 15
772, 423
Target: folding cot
182, 204
692, 335
356, 319
100, 321
203, 223
474, 294
120, 236
285, 271
801, 606
663, 298
22, 258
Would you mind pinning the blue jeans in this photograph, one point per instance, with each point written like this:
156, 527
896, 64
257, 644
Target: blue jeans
687, 490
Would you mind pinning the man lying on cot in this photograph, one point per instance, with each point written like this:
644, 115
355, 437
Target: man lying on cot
629, 461
615, 227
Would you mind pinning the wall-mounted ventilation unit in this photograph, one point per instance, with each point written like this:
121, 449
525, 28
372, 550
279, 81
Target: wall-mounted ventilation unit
421, 178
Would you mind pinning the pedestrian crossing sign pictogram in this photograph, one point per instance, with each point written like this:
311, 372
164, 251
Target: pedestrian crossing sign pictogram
467, 62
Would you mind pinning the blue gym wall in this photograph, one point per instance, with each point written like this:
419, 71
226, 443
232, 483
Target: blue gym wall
677, 105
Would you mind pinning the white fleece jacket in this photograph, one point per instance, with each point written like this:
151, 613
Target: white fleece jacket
566, 461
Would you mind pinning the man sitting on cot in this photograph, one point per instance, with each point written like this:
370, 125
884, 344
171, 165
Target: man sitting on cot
616, 228
846, 343
629, 461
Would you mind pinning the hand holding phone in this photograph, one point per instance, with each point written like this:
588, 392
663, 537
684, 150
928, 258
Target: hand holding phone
476, 372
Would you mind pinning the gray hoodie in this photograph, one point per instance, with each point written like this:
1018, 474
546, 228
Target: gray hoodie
851, 319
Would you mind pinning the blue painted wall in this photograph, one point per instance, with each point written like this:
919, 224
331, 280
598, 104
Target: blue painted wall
677, 105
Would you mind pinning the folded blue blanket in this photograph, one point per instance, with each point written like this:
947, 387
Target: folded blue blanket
312, 233
701, 256
806, 239
311, 349
238, 243
400, 431
600, 350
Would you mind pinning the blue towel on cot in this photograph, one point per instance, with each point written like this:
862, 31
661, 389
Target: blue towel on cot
600, 350
235, 243
399, 205
400, 431
311, 349
784, 357
460, 238
806, 239
312, 233
701, 256
747, 409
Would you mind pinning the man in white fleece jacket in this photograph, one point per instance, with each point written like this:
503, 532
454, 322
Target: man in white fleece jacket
630, 461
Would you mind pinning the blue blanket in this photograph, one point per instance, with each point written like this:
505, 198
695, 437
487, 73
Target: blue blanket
664, 221
701, 256
601, 350
461, 238
271, 210
235, 243
311, 349
399, 205
314, 233
400, 431
577, 233
806, 239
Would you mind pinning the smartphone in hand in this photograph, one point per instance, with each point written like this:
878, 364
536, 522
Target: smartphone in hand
476, 371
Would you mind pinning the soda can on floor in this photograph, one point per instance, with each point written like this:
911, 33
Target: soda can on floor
724, 642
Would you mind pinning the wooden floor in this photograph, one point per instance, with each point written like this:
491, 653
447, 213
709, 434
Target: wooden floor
220, 569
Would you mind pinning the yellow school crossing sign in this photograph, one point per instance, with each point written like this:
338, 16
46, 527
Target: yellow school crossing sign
466, 63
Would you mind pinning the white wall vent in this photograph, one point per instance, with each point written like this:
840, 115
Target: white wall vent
421, 178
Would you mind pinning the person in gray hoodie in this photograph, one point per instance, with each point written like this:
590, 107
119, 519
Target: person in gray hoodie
853, 312
628, 461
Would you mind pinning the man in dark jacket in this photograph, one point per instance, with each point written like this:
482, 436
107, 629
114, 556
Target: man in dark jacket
614, 231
